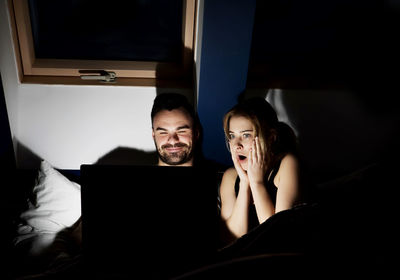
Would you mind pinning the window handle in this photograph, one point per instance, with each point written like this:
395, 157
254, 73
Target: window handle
99, 75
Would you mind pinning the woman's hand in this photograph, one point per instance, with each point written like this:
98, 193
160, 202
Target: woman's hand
240, 171
256, 164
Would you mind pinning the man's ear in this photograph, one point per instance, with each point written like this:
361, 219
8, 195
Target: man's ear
197, 134
152, 133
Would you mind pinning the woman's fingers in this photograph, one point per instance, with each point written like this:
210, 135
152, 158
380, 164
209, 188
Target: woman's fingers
260, 156
250, 159
254, 152
256, 161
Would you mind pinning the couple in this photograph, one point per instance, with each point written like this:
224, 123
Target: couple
265, 177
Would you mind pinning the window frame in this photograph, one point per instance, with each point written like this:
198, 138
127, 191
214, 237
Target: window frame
66, 71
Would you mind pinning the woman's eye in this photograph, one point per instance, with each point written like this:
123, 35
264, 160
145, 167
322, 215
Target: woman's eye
246, 135
231, 136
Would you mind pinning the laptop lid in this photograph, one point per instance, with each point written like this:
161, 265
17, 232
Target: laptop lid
151, 220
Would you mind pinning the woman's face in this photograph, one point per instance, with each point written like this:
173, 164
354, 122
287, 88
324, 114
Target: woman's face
241, 136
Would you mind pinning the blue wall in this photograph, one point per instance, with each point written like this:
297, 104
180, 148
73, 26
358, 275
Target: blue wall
225, 51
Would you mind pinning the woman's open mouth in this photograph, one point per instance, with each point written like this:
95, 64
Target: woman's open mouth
242, 157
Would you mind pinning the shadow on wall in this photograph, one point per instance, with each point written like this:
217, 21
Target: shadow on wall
128, 156
339, 131
120, 155
27, 156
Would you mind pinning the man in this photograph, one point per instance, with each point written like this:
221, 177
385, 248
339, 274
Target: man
176, 130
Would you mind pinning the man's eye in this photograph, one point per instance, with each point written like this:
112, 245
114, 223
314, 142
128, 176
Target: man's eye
183, 131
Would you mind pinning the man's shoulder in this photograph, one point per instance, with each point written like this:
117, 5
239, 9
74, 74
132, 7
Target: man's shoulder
211, 164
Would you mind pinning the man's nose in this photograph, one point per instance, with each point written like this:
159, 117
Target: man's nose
173, 138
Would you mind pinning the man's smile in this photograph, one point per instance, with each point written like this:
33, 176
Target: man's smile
173, 149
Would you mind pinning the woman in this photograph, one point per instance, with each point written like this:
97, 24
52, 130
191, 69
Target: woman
265, 176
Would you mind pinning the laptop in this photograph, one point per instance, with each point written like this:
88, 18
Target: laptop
154, 221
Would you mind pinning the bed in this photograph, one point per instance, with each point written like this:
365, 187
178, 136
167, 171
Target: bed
336, 232
44, 217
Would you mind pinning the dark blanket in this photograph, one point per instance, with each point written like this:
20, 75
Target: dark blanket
342, 233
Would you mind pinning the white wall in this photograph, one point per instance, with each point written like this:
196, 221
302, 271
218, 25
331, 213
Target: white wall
71, 125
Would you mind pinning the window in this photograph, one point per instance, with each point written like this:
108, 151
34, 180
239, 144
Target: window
148, 42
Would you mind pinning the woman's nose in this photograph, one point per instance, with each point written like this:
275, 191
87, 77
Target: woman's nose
237, 143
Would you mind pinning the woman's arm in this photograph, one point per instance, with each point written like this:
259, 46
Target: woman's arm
287, 181
265, 208
234, 210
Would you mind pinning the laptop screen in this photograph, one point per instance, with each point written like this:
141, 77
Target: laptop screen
154, 220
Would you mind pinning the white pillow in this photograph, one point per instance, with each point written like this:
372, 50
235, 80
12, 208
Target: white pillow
56, 203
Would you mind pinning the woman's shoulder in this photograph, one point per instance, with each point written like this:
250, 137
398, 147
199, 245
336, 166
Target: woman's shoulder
288, 168
230, 173
289, 159
288, 165
229, 176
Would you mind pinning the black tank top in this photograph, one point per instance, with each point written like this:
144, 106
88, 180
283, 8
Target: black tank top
271, 189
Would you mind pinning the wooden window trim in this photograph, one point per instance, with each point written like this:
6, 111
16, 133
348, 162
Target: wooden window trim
64, 71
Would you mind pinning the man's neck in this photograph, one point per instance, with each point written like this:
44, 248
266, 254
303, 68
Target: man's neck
188, 163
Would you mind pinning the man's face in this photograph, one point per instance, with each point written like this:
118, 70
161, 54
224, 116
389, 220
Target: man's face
173, 137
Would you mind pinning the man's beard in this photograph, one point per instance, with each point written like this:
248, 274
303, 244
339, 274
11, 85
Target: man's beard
176, 158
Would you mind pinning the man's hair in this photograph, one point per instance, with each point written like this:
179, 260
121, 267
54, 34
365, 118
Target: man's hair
171, 101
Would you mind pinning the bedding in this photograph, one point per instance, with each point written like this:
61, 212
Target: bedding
48, 230
48, 235
54, 205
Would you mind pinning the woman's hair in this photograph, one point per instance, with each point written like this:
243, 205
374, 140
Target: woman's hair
276, 138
